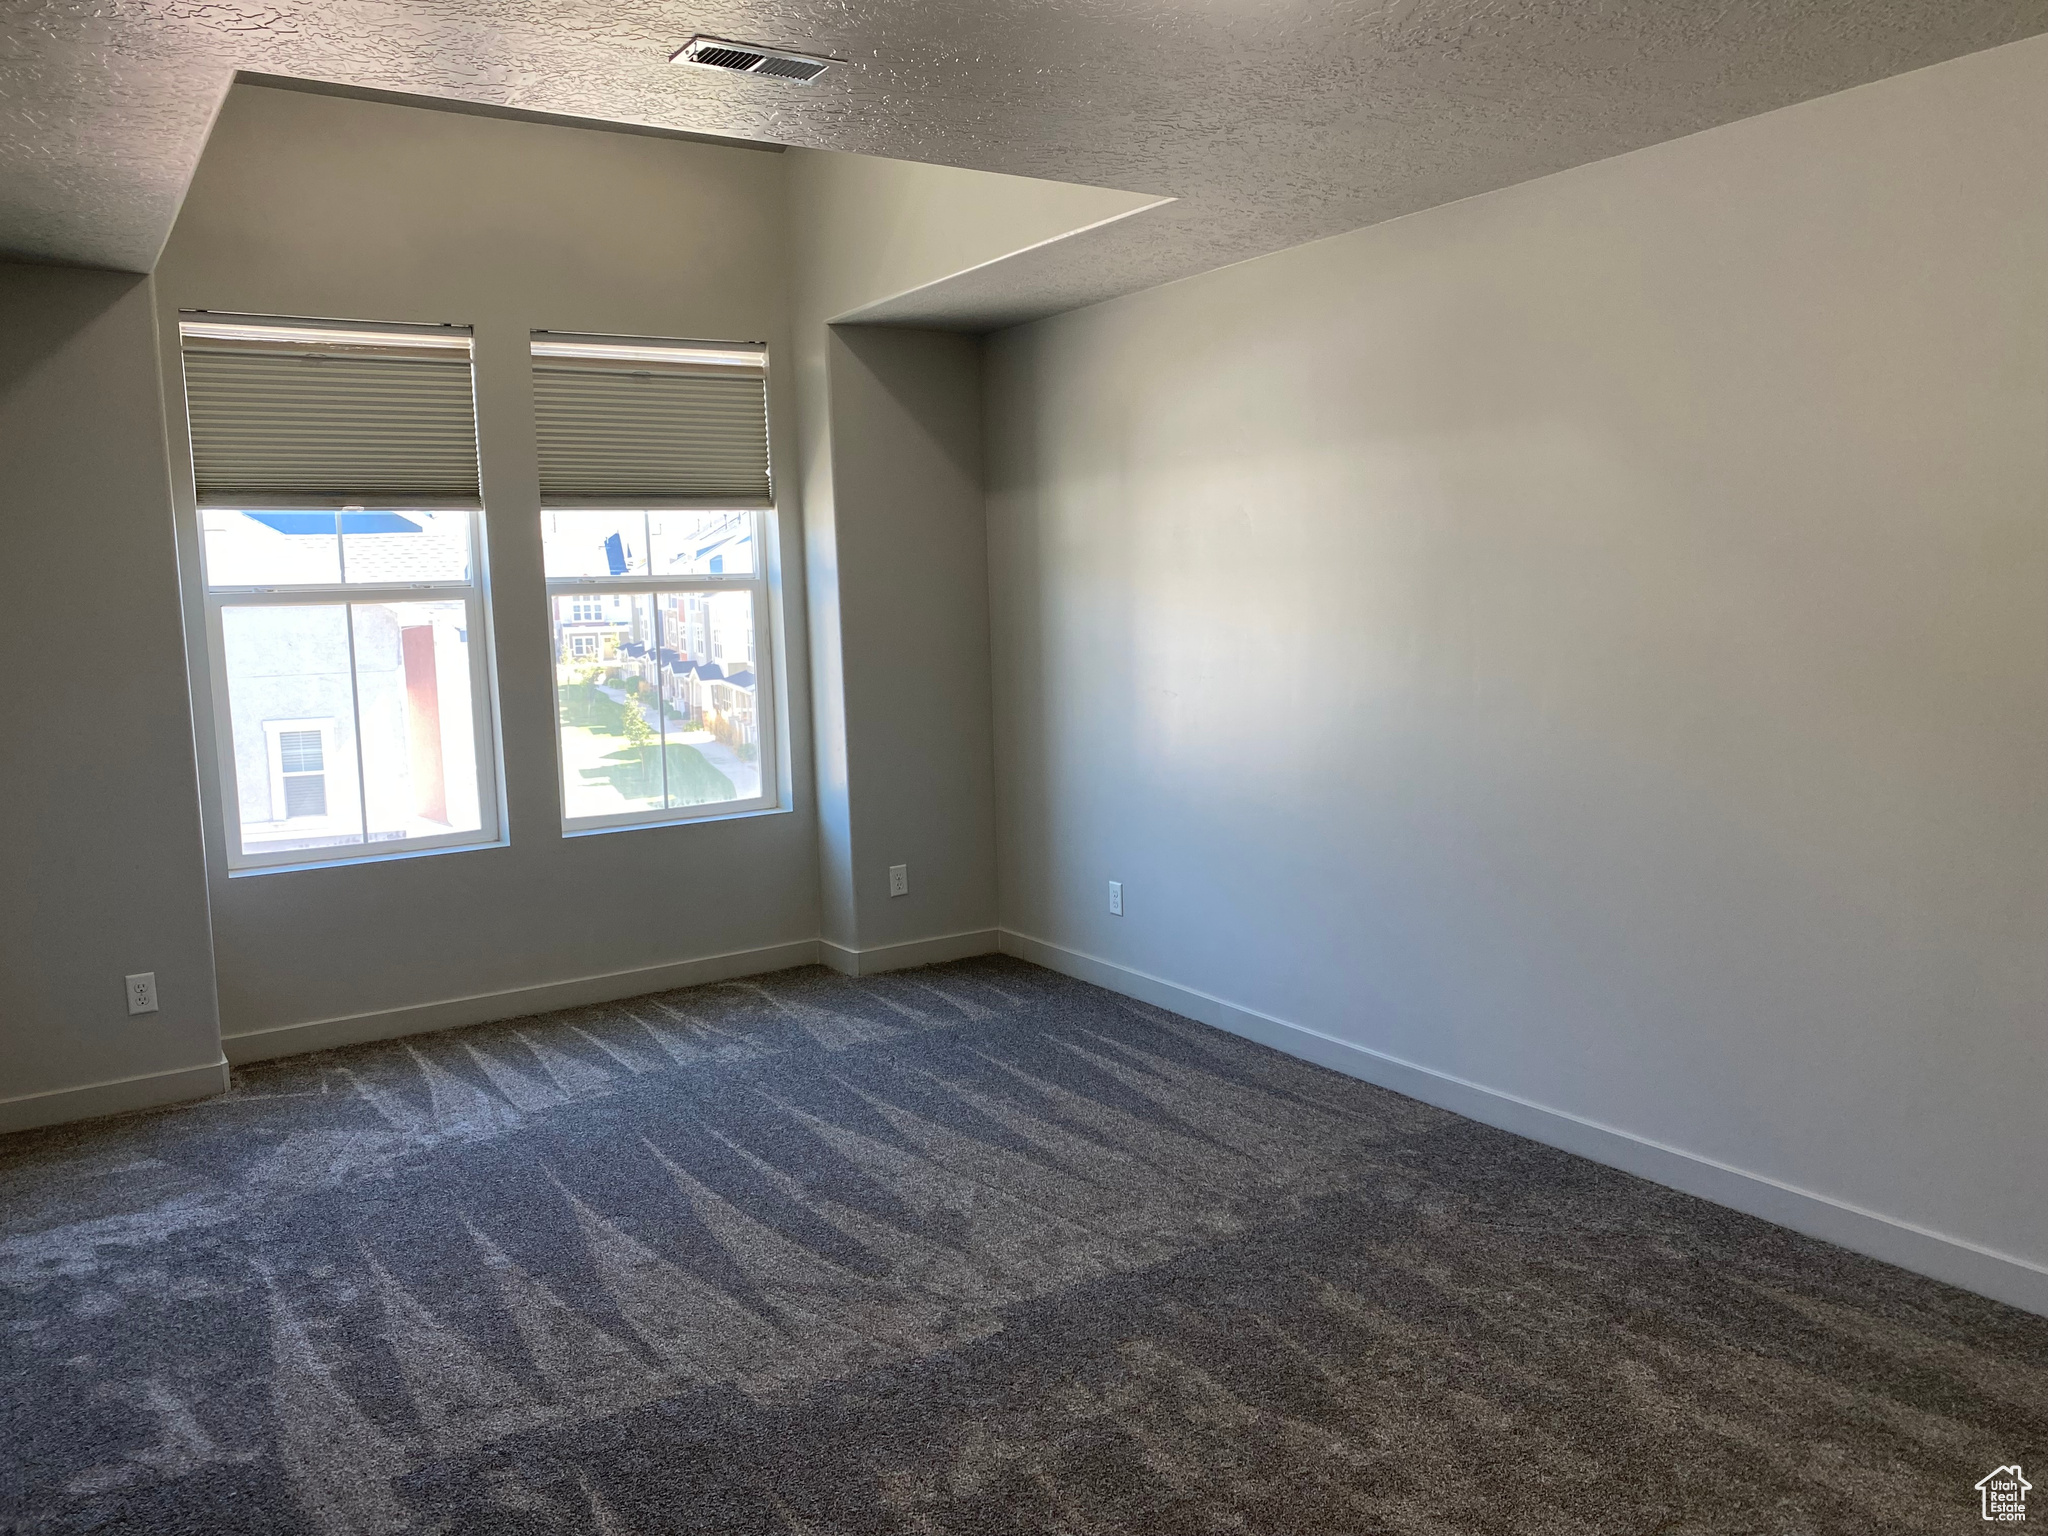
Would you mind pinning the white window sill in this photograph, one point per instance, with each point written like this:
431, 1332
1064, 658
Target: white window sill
366, 858
680, 821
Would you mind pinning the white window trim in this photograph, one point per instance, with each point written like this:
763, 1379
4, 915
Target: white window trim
767, 748
471, 594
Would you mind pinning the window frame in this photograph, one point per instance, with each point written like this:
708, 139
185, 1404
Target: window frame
346, 594
766, 718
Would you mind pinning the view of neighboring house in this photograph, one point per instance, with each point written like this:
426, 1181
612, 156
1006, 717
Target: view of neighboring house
694, 651
707, 672
326, 755
593, 628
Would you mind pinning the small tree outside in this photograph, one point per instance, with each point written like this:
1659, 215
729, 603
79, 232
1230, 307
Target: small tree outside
638, 732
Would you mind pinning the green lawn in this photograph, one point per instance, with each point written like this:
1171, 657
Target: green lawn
583, 705
693, 781
635, 772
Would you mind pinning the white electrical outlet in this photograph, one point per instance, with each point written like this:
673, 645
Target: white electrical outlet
142, 992
1116, 898
899, 879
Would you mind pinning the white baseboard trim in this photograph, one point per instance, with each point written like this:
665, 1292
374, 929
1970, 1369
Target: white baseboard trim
513, 1003
912, 952
2003, 1277
124, 1095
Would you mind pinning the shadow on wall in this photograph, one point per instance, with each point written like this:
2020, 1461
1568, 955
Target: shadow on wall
65, 302
900, 363
104, 874
910, 547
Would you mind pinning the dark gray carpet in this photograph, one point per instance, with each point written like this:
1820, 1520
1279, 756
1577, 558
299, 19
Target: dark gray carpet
970, 1249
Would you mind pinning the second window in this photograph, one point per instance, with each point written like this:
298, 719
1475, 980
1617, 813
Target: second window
655, 493
658, 674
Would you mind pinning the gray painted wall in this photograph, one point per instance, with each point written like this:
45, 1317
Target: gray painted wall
895, 550
101, 873
316, 205
897, 559
912, 564
1587, 641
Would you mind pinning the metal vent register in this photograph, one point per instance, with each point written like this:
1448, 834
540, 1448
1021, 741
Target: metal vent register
749, 59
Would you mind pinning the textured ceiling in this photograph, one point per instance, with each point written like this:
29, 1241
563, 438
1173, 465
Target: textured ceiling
1271, 122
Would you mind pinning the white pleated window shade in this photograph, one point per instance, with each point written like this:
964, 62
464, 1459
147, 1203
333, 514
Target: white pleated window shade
307, 414
650, 424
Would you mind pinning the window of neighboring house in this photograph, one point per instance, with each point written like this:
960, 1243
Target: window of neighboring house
661, 517
298, 761
342, 607
586, 610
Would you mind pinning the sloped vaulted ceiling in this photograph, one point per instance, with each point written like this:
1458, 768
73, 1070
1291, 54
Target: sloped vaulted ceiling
1271, 122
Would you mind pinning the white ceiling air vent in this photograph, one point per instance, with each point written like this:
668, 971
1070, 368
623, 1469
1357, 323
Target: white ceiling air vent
748, 59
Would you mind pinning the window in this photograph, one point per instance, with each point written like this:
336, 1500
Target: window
655, 494
660, 713
339, 524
